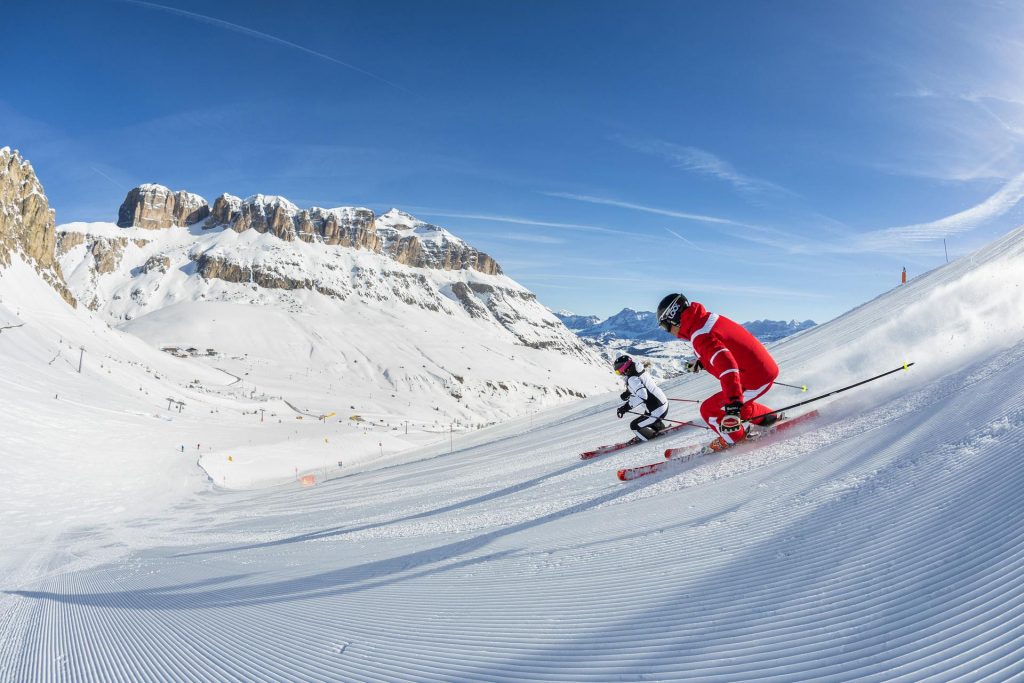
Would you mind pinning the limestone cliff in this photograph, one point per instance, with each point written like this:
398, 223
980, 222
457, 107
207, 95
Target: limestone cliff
405, 239
155, 207
27, 223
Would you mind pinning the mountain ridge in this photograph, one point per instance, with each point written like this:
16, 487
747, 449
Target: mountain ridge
446, 322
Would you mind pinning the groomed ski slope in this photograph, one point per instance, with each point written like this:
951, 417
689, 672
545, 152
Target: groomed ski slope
884, 542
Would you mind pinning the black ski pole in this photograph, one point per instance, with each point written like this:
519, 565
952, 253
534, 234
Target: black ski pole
831, 393
791, 386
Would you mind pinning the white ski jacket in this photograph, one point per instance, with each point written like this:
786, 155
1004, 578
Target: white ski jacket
643, 391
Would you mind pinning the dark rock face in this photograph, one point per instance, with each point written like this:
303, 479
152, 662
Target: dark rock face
155, 207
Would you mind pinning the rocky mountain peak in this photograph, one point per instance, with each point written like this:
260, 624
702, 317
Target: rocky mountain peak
400, 219
395, 233
155, 207
27, 223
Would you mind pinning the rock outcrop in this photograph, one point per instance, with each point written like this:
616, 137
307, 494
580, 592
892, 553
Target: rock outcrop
155, 207
27, 223
407, 240
346, 227
218, 268
415, 243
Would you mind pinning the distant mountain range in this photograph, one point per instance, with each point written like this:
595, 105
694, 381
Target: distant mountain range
642, 325
637, 334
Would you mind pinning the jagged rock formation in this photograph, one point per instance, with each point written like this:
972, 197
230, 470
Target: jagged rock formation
159, 264
345, 226
407, 240
27, 223
218, 268
107, 253
413, 242
155, 207
409, 261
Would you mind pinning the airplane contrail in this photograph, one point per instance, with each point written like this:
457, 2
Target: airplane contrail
263, 36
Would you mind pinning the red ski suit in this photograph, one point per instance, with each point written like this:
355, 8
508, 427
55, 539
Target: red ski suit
735, 358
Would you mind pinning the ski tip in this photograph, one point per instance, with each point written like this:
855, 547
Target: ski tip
668, 452
622, 475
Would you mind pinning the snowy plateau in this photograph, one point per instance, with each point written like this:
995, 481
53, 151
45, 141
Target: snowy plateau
149, 541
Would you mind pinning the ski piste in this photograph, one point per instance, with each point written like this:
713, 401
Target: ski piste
686, 454
611, 448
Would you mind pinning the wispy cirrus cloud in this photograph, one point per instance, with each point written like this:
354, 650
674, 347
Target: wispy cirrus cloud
525, 221
991, 208
237, 28
759, 290
702, 162
688, 243
750, 232
517, 237
591, 199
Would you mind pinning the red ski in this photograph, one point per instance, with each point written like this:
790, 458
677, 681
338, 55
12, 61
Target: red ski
688, 453
611, 448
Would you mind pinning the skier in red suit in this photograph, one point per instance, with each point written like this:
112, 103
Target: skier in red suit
730, 353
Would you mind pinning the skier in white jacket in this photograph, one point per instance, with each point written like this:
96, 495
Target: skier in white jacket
641, 392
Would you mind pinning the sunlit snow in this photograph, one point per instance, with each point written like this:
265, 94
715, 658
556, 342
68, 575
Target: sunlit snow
882, 542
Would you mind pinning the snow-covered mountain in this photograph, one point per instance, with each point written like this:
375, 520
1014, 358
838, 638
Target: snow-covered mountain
774, 330
881, 542
637, 333
577, 322
366, 306
626, 324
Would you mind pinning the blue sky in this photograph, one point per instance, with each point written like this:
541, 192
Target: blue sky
772, 160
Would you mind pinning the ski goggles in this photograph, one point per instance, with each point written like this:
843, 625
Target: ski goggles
621, 370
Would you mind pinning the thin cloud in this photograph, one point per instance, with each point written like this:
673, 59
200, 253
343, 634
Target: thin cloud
517, 237
262, 36
702, 162
648, 209
527, 221
757, 234
993, 207
702, 286
686, 241
120, 186
715, 220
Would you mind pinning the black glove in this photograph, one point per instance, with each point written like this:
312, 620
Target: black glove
694, 367
624, 396
731, 422
623, 409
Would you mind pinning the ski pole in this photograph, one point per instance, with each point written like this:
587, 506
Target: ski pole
688, 400
831, 393
665, 419
791, 386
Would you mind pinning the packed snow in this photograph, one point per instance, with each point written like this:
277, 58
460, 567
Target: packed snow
883, 541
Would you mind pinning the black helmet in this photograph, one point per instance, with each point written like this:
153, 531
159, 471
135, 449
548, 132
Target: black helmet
669, 310
624, 365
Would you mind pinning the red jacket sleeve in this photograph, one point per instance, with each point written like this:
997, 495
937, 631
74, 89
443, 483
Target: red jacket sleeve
719, 361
